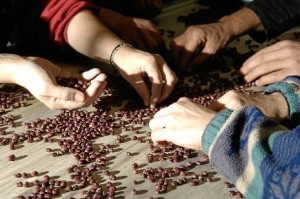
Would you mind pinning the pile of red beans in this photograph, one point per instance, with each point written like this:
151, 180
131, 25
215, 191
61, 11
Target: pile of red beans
74, 131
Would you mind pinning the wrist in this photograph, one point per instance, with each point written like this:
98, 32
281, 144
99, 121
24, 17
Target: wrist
118, 53
240, 22
282, 112
9, 67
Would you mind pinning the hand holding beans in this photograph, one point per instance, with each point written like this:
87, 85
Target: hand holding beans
39, 75
141, 67
273, 63
182, 123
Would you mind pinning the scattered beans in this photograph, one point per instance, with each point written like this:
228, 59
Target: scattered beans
75, 130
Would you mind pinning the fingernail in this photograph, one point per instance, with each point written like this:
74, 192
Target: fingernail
79, 97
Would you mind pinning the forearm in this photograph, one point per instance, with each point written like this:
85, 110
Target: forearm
89, 36
9, 69
251, 151
241, 22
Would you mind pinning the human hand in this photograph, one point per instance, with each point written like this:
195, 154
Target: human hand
39, 77
273, 105
182, 123
140, 68
139, 32
197, 44
273, 63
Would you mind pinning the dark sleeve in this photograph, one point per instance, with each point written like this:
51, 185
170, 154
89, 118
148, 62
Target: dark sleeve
277, 16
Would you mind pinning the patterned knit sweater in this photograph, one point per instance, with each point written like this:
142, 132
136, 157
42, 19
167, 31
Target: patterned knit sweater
259, 155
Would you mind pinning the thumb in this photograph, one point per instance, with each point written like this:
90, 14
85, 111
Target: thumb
65, 93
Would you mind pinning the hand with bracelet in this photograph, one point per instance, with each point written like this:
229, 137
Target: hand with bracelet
140, 67
135, 66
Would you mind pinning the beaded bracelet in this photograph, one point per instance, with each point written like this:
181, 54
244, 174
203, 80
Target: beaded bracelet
115, 50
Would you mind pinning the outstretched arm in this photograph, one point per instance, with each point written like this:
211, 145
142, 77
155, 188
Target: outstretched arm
88, 35
39, 75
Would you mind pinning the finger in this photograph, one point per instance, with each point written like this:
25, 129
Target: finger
219, 104
272, 77
142, 90
260, 58
170, 81
65, 93
94, 91
264, 69
62, 104
101, 77
156, 80
90, 74
277, 46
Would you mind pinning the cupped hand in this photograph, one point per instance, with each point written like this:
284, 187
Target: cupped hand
140, 69
197, 44
39, 75
273, 63
140, 33
181, 123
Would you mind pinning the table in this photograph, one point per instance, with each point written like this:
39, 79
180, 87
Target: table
115, 134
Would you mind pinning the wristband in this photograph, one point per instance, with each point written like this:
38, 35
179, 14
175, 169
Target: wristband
115, 50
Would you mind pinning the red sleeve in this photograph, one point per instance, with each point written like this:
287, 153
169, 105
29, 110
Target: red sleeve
58, 13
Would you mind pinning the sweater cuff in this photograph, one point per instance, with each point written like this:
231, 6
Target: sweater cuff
211, 131
289, 91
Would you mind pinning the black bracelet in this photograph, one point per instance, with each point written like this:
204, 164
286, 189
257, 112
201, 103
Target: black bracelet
115, 50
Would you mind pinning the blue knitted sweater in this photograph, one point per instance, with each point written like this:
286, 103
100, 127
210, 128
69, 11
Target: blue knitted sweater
259, 155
